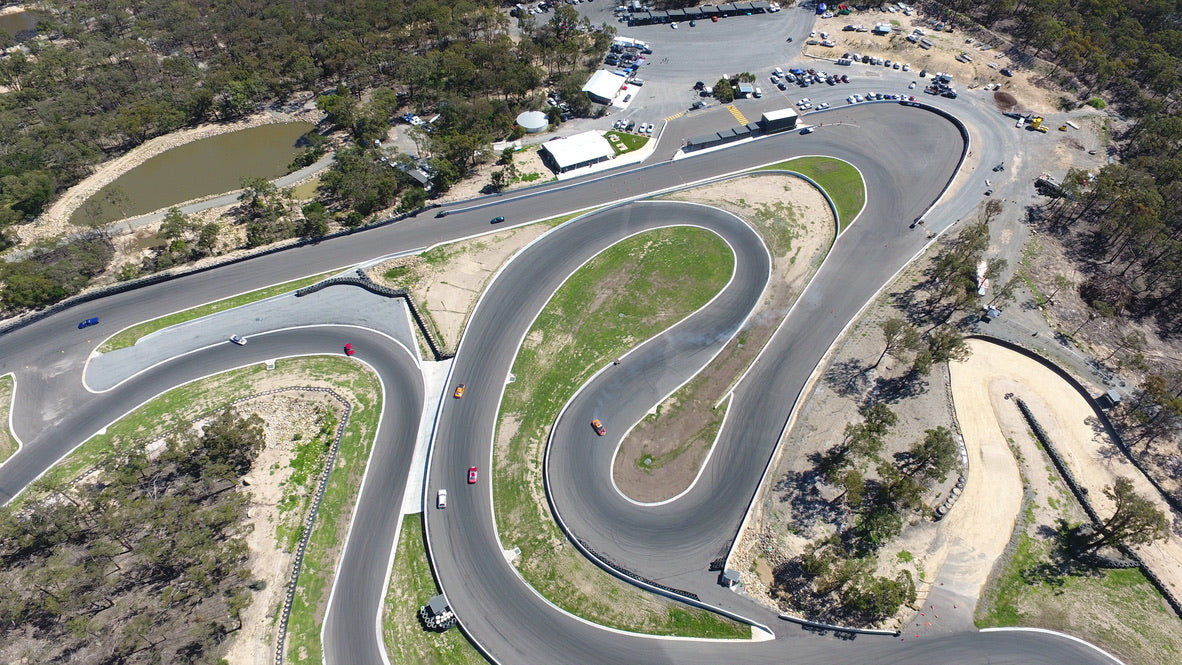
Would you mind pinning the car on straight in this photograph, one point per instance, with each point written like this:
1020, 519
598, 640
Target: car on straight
472, 475
93, 321
441, 499
460, 389
238, 339
496, 220
808, 130
598, 427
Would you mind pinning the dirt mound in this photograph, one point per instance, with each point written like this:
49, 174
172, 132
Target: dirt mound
1005, 101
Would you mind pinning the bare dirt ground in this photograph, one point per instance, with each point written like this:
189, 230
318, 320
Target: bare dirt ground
661, 456
1026, 85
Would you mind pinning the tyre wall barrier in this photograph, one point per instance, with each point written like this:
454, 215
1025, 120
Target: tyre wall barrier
363, 281
1080, 494
817, 625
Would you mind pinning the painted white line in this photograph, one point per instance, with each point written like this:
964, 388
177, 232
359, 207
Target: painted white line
1058, 634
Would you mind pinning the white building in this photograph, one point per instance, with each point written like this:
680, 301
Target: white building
576, 151
603, 86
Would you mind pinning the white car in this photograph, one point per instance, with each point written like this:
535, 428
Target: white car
803, 101
441, 499
907, 67
822, 106
238, 339
912, 86
851, 100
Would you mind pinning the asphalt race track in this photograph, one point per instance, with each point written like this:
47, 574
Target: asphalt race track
906, 155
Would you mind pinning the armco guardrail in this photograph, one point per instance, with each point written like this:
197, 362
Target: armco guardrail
363, 281
1081, 496
158, 278
817, 625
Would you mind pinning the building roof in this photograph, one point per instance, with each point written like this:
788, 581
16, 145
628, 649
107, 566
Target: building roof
778, 114
603, 84
437, 605
579, 149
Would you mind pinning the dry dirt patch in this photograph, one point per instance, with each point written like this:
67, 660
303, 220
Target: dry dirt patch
670, 446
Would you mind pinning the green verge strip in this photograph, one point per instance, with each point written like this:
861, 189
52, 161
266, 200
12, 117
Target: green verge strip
130, 336
627, 294
7, 439
411, 586
1117, 610
840, 180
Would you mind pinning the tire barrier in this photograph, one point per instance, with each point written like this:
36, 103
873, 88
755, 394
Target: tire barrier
1081, 496
1099, 412
817, 625
363, 281
639, 578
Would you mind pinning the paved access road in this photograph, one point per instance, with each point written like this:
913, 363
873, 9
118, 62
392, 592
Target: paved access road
53, 411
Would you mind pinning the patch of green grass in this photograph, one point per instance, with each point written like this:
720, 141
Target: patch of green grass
840, 180
1118, 610
411, 586
130, 336
628, 293
306, 466
702, 439
528, 177
7, 440
627, 143
393, 275
1097, 103
904, 556
1011, 585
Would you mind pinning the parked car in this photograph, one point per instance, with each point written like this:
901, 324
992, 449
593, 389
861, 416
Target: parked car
1006, 72
598, 427
441, 499
93, 321
238, 339
1000, 167
472, 475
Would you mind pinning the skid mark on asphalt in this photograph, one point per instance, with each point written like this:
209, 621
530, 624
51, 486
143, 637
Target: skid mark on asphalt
738, 114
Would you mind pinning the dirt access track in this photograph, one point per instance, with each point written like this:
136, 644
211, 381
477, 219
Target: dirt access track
992, 497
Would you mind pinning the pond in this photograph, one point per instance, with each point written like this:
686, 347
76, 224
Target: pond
202, 168
21, 25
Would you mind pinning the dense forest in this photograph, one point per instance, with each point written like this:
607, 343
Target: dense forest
143, 561
104, 76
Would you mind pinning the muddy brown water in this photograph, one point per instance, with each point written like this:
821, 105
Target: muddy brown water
21, 26
194, 170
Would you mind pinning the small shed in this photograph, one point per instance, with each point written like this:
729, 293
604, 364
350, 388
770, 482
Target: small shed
1109, 399
533, 121
729, 578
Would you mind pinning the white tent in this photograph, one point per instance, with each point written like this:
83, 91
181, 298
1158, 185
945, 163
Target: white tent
603, 86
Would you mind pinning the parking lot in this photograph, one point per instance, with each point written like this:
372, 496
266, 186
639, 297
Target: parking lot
710, 50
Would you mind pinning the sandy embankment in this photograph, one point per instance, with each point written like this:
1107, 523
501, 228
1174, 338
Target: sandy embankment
985, 514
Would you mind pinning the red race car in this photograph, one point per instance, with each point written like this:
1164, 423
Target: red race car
471, 475
349, 350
